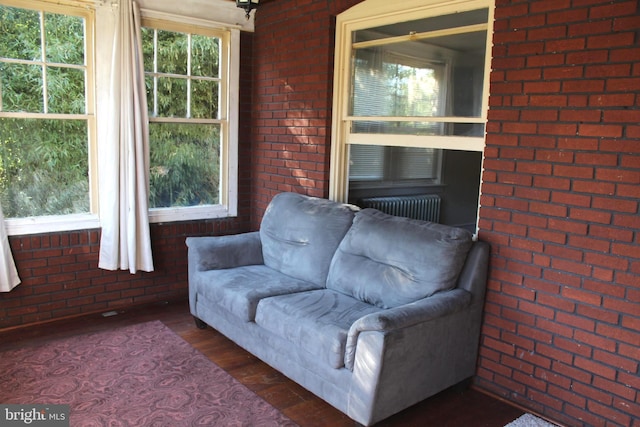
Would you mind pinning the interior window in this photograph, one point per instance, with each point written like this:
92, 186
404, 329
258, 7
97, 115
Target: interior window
413, 107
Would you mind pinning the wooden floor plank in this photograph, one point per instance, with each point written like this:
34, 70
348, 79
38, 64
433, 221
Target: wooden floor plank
457, 407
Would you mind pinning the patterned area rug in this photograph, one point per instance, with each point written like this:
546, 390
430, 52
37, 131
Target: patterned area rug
140, 375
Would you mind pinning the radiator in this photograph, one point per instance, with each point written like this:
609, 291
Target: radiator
425, 207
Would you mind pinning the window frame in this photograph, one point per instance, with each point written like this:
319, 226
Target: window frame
99, 28
372, 14
228, 116
52, 223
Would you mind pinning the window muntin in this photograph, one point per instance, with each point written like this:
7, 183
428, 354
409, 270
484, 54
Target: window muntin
46, 114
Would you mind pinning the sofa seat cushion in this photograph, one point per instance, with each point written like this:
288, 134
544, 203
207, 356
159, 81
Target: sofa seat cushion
300, 234
239, 290
315, 321
389, 261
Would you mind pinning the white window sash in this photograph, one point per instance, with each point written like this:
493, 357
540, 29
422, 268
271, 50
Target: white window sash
371, 14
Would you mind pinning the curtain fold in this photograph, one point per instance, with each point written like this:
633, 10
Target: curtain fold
9, 278
125, 241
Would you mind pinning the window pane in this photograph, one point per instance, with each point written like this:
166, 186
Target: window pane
366, 162
389, 164
148, 82
414, 163
204, 99
64, 39
387, 84
185, 164
204, 56
172, 52
20, 29
66, 90
172, 97
21, 88
425, 75
147, 48
169, 95
468, 129
44, 167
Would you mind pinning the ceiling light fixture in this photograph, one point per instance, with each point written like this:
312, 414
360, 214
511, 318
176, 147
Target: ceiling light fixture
247, 5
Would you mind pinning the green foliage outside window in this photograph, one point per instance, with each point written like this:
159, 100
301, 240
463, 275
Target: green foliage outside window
44, 160
184, 164
185, 152
44, 167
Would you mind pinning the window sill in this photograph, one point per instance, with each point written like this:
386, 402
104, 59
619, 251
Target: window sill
51, 224
62, 223
158, 215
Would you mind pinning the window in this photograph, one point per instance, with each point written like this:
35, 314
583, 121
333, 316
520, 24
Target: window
47, 125
55, 59
187, 79
411, 88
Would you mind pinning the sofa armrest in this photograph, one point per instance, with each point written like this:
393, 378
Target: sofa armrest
220, 252
424, 310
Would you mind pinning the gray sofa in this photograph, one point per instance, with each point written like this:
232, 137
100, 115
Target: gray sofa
371, 312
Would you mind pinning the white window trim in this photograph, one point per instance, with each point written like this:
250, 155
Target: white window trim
374, 13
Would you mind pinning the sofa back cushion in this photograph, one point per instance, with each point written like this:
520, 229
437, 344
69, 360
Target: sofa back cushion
300, 234
388, 261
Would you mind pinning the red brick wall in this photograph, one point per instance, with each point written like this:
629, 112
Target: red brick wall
560, 193
560, 209
59, 271
60, 274
293, 64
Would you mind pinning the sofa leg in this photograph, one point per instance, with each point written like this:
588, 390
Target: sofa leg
199, 323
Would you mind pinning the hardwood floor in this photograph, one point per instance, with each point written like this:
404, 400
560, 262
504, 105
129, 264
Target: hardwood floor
457, 407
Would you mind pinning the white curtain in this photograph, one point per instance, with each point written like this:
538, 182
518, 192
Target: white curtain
124, 159
8, 273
